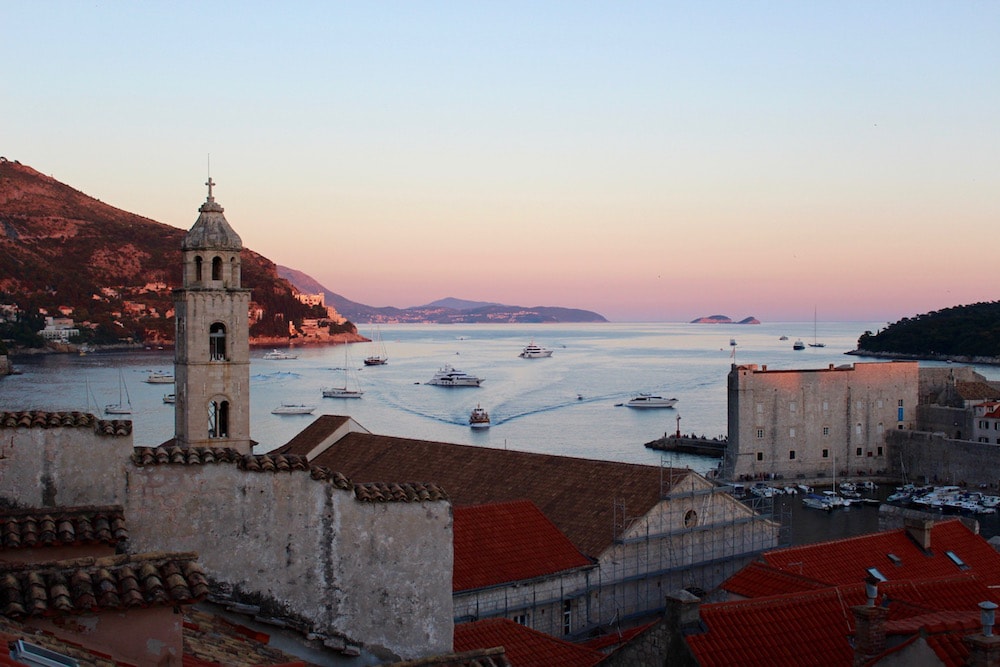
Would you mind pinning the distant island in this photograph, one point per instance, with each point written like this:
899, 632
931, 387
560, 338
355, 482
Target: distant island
722, 319
967, 334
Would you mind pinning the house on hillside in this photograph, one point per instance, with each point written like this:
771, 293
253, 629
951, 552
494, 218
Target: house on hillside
644, 529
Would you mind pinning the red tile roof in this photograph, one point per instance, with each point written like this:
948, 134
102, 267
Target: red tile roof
846, 561
577, 495
523, 646
505, 542
815, 627
41, 527
43, 419
760, 579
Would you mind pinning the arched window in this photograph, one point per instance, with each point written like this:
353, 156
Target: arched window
234, 273
217, 342
197, 269
216, 268
218, 419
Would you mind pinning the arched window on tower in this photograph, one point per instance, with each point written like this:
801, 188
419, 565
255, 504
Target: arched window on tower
197, 268
217, 342
218, 419
216, 268
234, 273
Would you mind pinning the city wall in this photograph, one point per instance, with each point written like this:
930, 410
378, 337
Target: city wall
932, 458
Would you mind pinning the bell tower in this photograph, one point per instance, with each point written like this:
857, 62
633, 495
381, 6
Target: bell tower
212, 353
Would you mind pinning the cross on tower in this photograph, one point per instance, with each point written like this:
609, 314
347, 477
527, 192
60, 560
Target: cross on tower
210, 183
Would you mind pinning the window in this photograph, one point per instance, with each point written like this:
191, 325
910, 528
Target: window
760, 434
792, 407
197, 268
880, 428
826, 430
826, 406
217, 342
690, 519
567, 617
857, 452
218, 419
791, 454
216, 268
900, 403
760, 456
760, 408
791, 432
521, 619
857, 428
878, 403
826, 453
879, 452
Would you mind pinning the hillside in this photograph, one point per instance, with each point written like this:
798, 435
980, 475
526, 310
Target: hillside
63, 253
959, 333
443, 311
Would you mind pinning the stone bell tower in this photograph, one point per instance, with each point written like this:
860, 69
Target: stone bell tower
212, 354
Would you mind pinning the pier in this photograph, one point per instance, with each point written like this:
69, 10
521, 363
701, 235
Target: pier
690, 444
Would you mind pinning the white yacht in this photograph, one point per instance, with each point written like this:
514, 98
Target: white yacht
532, 351
170, 398
293, 409
650, 401
479, 418
342, 392
160, 378
278, 354
449, 377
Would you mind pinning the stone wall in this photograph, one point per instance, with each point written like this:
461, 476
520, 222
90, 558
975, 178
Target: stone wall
954, 422
933, 458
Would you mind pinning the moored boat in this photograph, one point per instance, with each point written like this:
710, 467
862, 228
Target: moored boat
293, 409
532, 351
798, 345
817, 502
170, 398
160, 378
278, 354
449, 377
650, 401
479, 418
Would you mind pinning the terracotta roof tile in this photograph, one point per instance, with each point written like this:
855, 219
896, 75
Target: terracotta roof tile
92, 584
523, 646
847, 561
382, 492
43, 527
505, 542
577, 495
973, 391
43, 419
489, 657
308, 438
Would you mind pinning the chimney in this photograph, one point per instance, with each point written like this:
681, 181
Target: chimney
984, 649
919, 531
683, 611
869, 625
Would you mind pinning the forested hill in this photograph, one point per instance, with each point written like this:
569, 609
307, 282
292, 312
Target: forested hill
958, 332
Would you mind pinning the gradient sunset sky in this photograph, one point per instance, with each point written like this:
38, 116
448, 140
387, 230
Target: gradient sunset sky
651, 161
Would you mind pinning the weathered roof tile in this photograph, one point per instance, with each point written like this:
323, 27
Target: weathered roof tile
43, 419
41, 527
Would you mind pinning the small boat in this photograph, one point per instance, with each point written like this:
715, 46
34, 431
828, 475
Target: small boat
124, 404
650, 401
798, 345
293, 409
379, 356
449, 377
479, 418
170, 398
732, 342
278, 354
817, 502
160, 378
783, 337
532, 351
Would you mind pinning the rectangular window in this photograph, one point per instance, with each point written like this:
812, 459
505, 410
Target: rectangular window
826, 406
521, 619
791, 454
857, 429
826, 430
760, 456
760, 434
792, 406
878, 403
879, 451
826, 453
760, 408
791, 432
900, 403
899, 415
857, 452
567, 617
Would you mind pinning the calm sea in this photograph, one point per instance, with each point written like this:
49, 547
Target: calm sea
565, 404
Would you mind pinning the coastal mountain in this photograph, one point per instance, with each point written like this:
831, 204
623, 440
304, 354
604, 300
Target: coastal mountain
960, 333
443, 311
65, 254
722, 319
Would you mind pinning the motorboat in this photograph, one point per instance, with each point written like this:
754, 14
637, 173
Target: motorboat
170, 398
732, 342
783, 337
479, 418
532, 351
817, 502
342, 392
449, 377
650, 401
798, 345
160, 378
278, 354
293, 409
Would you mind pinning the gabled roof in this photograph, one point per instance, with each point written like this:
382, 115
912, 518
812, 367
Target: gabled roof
815, 627
847, 561
45, 527
506, 542
974, 391
577, 495
760, 580
306, 440
523, 646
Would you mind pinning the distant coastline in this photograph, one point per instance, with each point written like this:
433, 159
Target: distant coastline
949, 358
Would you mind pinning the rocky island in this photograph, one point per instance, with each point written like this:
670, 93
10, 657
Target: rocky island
722, 319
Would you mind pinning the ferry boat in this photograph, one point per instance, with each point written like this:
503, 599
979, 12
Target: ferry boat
160, 378
479, 418
278, 354
650, 401
532, 351
449, 377
293, 409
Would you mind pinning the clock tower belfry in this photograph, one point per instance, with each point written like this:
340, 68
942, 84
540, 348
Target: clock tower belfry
212, 353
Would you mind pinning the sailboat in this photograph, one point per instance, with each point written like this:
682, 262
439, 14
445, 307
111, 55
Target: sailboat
124, 404
379, 357
345, 391
815, 343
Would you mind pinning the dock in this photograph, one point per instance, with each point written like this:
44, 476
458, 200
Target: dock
690, 444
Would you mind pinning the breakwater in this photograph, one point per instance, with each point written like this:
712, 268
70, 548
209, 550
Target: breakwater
690, 444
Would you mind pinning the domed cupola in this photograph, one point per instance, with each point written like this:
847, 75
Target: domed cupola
211, 231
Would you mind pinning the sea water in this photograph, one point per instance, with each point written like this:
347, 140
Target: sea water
568, 404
